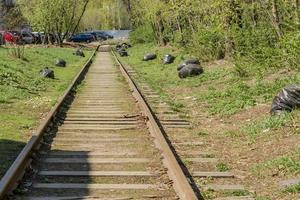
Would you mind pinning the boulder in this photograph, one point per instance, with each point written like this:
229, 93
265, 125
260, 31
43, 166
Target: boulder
286, 100
47, 73
149, 56
190, 70
60, 63
188, 61
168, 59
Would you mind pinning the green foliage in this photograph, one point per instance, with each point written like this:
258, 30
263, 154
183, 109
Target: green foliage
142, 34
293, 189
222, 167
106, 14
208, 44
61, 17
261, 36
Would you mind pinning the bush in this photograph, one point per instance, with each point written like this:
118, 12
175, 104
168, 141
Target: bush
208, 44
142, 34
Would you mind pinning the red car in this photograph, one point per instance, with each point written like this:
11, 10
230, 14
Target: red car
12, 37
8, 37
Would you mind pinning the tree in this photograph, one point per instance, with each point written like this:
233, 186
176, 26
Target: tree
59, 17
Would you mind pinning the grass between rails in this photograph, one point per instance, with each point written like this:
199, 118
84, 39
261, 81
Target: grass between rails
231, 112
25, 96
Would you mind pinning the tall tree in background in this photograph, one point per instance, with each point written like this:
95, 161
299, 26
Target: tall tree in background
61, 17
107, 14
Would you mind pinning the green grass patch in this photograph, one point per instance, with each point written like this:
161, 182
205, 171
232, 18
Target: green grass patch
267, 124
25, 95
222, 167
283, 165
293, 189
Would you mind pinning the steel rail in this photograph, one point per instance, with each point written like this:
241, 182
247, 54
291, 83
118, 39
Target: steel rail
15, 173
181, 184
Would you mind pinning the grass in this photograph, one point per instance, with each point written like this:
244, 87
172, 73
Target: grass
25, 95
293, 189
224, 92
267, 124
283, 165
222, 167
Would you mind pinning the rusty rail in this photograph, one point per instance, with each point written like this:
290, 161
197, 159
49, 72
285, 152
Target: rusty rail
15, 173
176, 174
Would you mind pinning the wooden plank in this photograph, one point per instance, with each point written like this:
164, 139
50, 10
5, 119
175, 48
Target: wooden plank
95, 173
236, 198
96, 160
93, 122
72, 198
93, 140
189, 143
218, 187
94, 186
70, 119
89, 153
202, 160
213, 174
288, 183
95, 128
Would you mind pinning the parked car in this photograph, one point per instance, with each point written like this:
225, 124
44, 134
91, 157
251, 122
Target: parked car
17, 36
39, 37
104, 34
9, 37
2, 38
97, 35
28, 38
83, 37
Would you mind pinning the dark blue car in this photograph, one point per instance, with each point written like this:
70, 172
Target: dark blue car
100, 35
82, 38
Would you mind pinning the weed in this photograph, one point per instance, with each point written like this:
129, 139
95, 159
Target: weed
293, 189
262, 198
201, 133
232, 133
289, 164
222, 167
238, 193
261, 126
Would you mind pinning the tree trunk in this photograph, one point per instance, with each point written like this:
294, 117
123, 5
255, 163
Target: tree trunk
276, 18
296, 4
80, 17
161, 28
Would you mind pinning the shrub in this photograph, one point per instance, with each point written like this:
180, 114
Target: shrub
208, 43
142, 34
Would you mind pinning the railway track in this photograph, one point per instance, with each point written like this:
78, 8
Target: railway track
201, 165
101, 142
